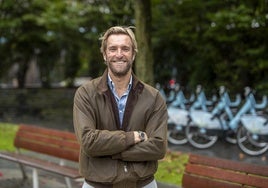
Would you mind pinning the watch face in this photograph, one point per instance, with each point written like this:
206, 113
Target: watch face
142, 136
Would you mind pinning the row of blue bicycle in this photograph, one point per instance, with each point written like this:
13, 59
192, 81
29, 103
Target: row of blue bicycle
202, 122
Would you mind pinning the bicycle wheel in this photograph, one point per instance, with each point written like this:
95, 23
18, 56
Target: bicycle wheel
198, 137
250, 143
176, 135
231, 137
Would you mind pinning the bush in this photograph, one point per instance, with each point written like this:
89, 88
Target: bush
7, 135
171, 168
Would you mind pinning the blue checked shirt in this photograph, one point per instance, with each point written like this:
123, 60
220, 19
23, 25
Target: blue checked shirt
120, 101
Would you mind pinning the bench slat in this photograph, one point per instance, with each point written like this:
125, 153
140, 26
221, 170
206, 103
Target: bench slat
56, 152
42, 164
42, 138
227, 175
56, 143
193, 181
209, 172
52, 132
231, 165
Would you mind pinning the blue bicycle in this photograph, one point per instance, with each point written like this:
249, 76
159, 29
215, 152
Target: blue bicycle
204, 127
252, 136
178, 117
178, 112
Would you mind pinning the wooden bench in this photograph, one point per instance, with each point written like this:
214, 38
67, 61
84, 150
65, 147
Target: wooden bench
60, 146
208, 172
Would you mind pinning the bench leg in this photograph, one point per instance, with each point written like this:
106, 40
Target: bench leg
24, 175
68, 182
35, 178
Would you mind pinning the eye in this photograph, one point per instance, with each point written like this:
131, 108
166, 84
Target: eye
126, 49
112, 49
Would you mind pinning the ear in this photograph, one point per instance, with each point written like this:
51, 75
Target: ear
133, 57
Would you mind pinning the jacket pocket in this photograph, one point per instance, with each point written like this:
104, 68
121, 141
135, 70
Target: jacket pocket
145, 169
99, 169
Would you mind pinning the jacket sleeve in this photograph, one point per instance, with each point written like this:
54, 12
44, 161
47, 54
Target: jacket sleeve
156, 129
94, 142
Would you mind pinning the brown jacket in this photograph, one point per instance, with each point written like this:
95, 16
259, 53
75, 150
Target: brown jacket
108, 154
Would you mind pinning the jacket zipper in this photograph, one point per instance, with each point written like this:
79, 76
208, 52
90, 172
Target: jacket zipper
125, 167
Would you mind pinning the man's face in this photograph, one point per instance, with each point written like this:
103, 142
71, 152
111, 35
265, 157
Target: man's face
119, 54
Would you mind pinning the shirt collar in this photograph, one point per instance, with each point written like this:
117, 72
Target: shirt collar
111, 83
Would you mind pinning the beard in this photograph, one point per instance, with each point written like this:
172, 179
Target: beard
119, 68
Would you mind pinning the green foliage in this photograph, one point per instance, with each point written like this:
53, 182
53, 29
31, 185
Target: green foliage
171, 168
212, 42
7, 135
57, 34
206, 42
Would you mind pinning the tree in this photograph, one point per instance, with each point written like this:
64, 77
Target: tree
61, 35
20, 34
238, 37
144, 59
211, 43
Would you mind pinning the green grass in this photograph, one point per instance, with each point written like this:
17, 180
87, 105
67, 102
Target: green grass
7, 134
170, 169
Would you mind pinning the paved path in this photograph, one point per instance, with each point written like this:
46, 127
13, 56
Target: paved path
224, 150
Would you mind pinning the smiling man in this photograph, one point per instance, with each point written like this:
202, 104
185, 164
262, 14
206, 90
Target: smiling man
120, 122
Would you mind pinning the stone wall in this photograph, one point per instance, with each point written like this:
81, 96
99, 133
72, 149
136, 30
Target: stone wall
38, 106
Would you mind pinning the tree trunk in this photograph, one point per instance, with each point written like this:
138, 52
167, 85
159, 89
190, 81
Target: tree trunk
144, 59
21, 75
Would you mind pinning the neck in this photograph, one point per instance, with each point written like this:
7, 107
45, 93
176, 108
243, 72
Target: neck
120, 80
120, 83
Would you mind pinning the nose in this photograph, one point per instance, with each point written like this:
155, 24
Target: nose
119, 52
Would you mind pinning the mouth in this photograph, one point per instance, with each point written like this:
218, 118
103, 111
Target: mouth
120, 62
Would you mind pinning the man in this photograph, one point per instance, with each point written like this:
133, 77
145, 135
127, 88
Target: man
120, 122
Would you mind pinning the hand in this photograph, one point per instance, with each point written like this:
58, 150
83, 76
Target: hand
137, 137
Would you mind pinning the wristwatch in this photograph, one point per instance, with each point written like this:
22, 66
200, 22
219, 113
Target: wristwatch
141, 136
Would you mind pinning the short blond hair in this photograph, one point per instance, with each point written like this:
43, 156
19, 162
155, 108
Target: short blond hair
119, 30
